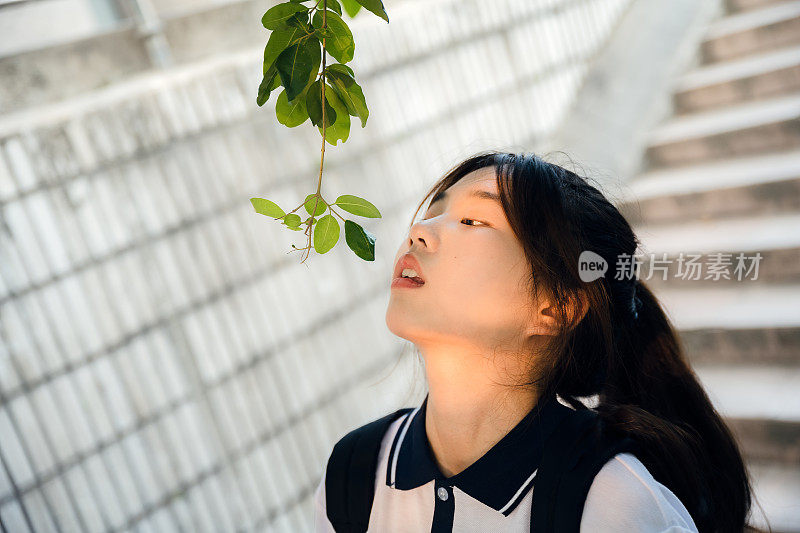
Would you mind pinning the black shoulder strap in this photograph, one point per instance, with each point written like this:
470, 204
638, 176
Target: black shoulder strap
573, 455
350, 474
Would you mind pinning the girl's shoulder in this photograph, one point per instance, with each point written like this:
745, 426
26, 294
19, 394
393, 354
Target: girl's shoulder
624, 496
394, 420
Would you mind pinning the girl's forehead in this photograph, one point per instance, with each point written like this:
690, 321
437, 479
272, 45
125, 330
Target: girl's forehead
485, 175
481, 179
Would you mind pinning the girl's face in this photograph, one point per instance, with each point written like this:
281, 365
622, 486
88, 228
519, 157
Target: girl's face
474, 269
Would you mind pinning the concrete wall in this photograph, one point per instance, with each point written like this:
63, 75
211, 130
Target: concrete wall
628, 90
165, 363
44, 23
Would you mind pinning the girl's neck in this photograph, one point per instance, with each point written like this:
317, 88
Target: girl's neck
461, 427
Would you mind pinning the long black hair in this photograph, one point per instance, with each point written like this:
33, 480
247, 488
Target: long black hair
623, 348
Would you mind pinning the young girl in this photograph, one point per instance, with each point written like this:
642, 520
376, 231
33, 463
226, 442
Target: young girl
512, 333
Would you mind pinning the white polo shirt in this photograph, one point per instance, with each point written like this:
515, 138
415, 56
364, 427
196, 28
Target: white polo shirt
495, 493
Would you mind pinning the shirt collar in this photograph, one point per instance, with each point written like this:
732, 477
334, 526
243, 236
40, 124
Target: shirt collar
499, 479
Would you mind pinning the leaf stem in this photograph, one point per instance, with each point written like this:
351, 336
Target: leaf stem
322, 151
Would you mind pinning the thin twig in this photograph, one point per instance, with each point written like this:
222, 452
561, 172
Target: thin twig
322, 152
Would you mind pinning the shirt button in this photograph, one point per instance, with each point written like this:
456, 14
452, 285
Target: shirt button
441, 492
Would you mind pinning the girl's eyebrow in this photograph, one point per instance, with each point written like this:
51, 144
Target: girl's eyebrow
480, 194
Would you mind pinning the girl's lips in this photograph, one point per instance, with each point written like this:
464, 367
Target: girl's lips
407, 260
405, 283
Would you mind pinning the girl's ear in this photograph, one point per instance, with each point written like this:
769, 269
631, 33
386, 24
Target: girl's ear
546, 320
578, 306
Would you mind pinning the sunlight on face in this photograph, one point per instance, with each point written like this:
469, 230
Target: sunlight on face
474, 269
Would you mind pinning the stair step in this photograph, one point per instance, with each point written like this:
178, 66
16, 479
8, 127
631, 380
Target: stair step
736, 267
759, 184
746, 306
754, 77
724, 177
741, 234
754, 19
728, 253
765, 439
738, 6
709, 176
745, 129
752, 31
776, 487
775, 346
753, 391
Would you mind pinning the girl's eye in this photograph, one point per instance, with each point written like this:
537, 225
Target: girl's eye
470, 219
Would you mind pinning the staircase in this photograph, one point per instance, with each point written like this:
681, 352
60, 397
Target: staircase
723, 175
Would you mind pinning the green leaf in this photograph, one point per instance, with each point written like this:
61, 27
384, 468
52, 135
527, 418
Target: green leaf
341, 91
340, 129
299, 20
351, 7
295, 65
326, 234
267, 207
351, 95
277, 43
340, 42
311, 199
376, 6
357, 206
361, 104
292, 113
277, 16
267, 85
276, 81
332, 4
345, 73
315, 47
314, 106
292, 220
359, 240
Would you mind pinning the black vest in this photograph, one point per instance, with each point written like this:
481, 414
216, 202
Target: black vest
577, 449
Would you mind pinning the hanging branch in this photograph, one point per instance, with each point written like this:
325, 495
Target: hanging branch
298, 45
